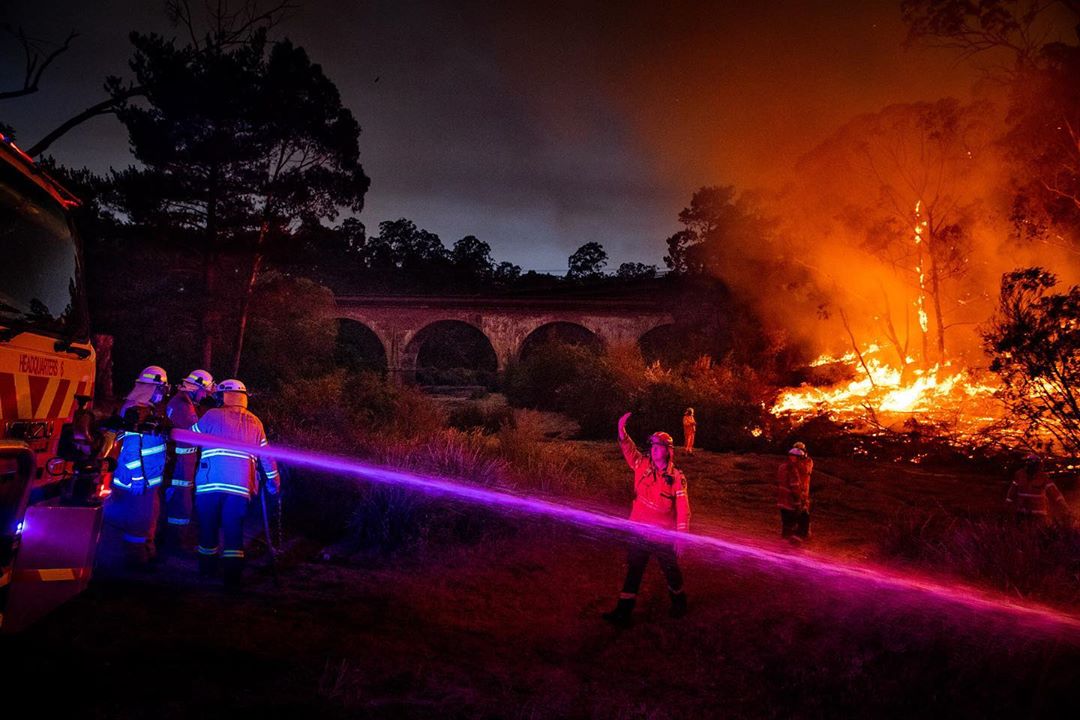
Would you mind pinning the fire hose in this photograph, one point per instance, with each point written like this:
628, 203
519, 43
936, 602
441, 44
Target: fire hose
844, 575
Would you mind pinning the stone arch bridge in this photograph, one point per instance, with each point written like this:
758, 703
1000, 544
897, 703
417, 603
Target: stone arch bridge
404, 325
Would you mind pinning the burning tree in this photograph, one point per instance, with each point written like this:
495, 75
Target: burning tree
1034, 340
903, 183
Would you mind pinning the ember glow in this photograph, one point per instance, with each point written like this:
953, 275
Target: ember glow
741, 552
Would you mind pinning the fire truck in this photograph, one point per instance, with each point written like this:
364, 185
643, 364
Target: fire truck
47, 536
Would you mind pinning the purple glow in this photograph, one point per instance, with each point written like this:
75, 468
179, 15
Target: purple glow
742, 549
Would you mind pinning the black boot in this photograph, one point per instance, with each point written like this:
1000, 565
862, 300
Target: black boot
678, 604
231, 569
208, 565
622, 615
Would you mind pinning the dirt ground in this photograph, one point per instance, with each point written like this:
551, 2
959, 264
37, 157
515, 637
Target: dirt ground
508, 627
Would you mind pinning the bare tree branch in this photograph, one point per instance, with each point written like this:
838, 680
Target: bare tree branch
37, 61
104, 107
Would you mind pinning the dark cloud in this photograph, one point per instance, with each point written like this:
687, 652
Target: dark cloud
541, 126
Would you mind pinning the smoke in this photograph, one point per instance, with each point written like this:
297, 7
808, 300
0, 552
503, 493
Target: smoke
895, 231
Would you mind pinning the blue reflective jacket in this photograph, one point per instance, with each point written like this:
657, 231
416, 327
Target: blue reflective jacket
141, 457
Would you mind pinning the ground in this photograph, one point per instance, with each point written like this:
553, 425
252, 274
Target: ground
508, 626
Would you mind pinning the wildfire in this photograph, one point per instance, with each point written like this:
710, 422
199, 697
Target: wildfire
883, 390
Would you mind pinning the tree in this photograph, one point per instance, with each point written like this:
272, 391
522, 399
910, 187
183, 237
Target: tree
239, 144
226, 26
587, 262
977, 27
39, 55
907, 185
719, 225
635, 271
1044, 140
506, 273
1034, 343
402, 245
472, 259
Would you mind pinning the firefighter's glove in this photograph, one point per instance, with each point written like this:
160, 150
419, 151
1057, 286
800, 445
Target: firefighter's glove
272, 487
138, 487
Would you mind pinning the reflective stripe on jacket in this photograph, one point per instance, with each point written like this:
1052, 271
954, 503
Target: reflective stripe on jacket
141, 457
1031, 494
182, 413
660, 497
231, 471
793, 484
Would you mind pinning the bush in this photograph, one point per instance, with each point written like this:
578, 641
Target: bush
729, 399
487, 414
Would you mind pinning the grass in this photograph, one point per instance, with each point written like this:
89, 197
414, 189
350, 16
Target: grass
1030, 562
447, 610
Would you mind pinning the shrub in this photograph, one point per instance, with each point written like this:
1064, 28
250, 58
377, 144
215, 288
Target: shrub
595, 389
487, 414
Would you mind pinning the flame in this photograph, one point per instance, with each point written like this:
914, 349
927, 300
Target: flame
920, 304
884, 390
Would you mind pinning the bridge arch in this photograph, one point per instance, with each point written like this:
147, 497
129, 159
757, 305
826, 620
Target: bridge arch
562, 331
359, 348
449, 352
660, 343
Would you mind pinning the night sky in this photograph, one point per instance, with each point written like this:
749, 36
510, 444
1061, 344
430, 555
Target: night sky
539, 126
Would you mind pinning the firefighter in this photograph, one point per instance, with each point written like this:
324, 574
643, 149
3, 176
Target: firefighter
80, 447
793, 493
183, 411
1031, 493
227, 479
140, 464
689, 428
660, 499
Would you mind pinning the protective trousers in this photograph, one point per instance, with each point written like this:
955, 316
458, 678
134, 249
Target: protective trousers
222, 514
178, 496
136, 517
794, 523
637, 558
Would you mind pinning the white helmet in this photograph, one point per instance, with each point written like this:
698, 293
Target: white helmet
200, 379
231, 386
154, 375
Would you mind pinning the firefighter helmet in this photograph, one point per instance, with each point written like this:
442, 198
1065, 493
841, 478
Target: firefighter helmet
154, 375
797, 451
661, 438
231, 386
200, 379
799, 446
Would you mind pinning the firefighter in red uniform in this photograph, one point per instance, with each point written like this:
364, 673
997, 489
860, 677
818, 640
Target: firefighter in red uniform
793, 493
183, 412
1031, 494
689, 428
660, 499
133, 505
227, 479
